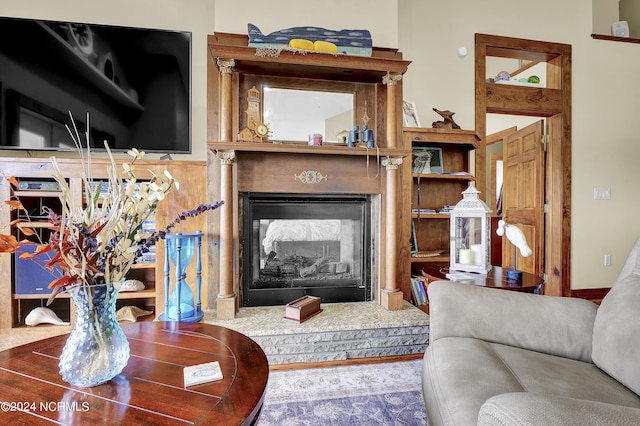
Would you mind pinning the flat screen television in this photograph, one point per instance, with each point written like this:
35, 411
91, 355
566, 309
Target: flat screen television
134, 83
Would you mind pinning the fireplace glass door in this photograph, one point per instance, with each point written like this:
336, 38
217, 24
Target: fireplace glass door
296, 245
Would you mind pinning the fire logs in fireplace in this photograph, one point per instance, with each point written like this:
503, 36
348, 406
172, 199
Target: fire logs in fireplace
302, 267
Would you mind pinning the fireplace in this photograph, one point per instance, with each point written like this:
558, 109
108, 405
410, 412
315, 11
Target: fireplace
305, 244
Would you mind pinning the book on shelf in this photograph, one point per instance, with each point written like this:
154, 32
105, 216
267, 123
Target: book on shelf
415, 293
302, 309
424, 285
423, 211
202, 373
419, 288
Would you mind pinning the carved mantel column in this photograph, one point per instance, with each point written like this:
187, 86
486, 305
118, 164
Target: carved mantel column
391, 80
226, 301
391, 296
226, 116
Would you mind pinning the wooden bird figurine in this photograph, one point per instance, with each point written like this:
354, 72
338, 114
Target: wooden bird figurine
447, 123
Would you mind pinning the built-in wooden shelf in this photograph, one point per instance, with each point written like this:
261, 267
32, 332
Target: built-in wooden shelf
36, 224
16, 306
614, 38
144, 265
143, 294
431, 230
507, 99
39, 296
466, 138
430, 216
443, 258
43, 194
464, 176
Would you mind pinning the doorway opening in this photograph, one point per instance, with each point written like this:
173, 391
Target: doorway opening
552, 102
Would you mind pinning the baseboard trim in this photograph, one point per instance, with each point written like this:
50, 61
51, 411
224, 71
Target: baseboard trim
593, 294
339, 363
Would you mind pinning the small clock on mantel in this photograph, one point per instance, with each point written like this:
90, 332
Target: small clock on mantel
262, 130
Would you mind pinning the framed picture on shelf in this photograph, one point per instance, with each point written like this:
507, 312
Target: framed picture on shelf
414, 240
427, 160
410, 114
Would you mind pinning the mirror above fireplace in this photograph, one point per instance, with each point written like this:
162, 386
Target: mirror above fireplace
293, 114
292, 108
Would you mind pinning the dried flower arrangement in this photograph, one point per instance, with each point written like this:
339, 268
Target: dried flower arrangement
100, 242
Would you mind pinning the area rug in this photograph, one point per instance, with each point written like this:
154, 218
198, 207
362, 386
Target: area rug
365, 394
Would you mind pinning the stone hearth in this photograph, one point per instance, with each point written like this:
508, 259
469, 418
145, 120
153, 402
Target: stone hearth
342, 331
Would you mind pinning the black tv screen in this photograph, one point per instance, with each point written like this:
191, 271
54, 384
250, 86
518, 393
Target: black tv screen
134, 83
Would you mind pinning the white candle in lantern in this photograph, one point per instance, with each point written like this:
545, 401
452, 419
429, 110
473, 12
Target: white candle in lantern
466, 257
477, 250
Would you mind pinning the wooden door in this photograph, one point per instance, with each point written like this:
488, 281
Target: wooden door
523, 195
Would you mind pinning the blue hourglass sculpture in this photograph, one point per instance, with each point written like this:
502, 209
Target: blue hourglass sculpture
179, 303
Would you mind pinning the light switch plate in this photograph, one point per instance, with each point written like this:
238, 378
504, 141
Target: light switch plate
602, 193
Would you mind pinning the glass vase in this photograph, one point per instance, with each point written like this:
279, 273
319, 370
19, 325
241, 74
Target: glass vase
97, 349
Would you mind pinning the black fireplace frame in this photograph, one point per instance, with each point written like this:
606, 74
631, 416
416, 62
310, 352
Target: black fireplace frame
317, 206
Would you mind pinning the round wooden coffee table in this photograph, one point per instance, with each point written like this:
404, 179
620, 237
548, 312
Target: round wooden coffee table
496, 278
150, 389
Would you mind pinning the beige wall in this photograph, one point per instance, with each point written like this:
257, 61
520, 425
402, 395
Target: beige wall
605, 12
630, 12
606, 105
380, 17
606, 96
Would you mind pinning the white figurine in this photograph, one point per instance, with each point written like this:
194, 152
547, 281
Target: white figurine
515, 235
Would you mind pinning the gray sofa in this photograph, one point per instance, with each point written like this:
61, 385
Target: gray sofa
499, 357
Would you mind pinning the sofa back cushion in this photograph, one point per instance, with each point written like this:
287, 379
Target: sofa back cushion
616, 332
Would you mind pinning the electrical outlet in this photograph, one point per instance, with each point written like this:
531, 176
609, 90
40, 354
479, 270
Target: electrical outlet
601, 193
607, 260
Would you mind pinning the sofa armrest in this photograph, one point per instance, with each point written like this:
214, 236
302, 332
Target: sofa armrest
554, 325
523, 408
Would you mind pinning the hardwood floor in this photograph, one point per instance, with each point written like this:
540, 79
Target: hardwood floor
12, 337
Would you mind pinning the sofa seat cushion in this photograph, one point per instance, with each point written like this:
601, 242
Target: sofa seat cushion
527, 408
460, 374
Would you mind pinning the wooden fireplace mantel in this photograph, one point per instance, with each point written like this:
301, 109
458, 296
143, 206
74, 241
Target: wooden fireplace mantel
235, 166
301, 148
363, 69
